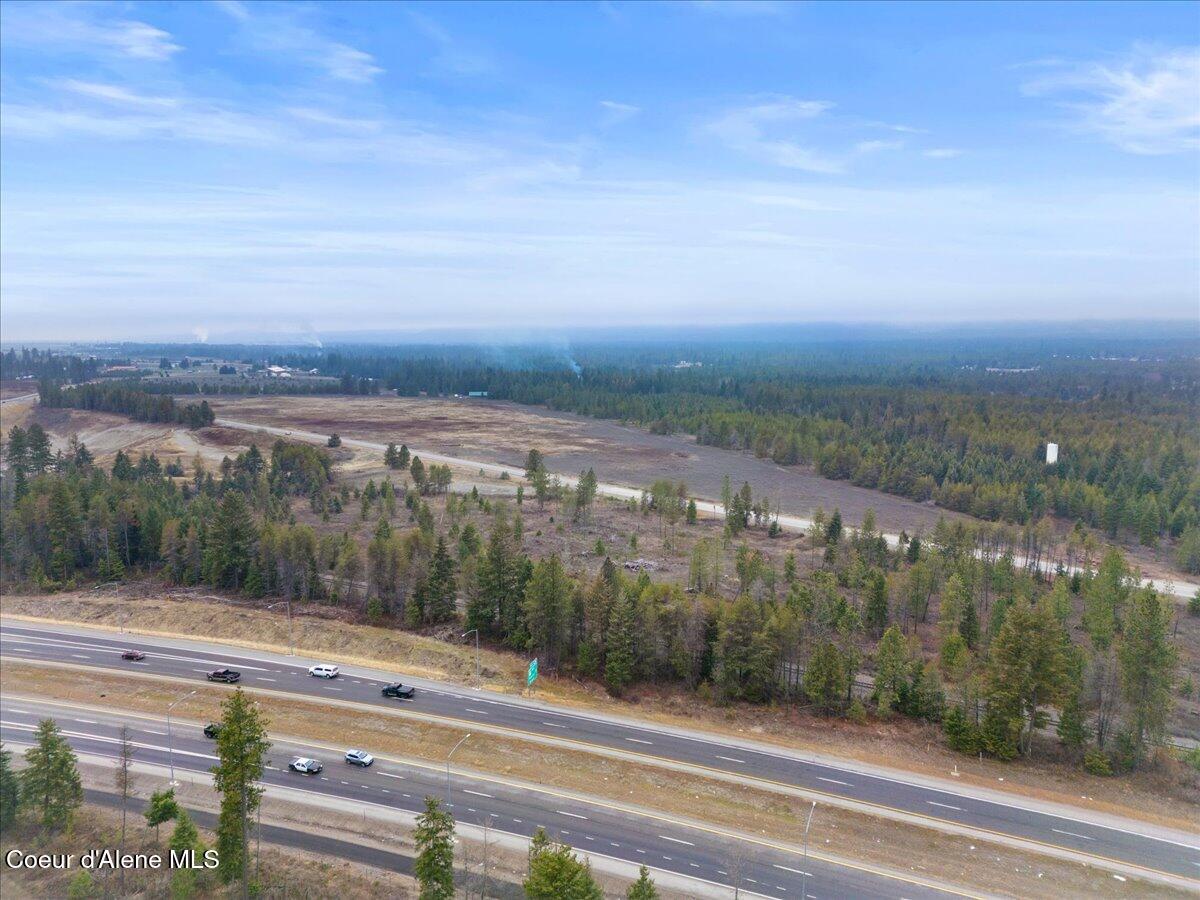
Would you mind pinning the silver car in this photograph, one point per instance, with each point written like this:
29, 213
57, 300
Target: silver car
359, 758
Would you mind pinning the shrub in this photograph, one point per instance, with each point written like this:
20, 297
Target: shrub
1095, 762
857, 713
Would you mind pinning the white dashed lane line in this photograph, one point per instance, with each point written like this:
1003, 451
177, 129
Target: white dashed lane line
677, 841
944, 805
478, 793
81, 656
639, 741
572, 815
554, 725
478, 712
793, 871
391, 775
835, 781
1073, 834
731, 759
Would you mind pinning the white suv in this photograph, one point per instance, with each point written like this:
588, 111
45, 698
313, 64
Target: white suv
324, 670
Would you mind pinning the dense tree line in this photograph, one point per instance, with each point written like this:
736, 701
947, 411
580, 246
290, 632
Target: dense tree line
942, 427
841, 640
50, 365
127, 398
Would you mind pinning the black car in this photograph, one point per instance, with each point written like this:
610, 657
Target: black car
212, 731
403, 691
133, 655
229, 676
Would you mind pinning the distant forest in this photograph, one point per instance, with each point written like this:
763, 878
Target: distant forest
961, 424
960, 420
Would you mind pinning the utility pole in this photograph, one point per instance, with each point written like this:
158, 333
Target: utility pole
475, 631
804, 876
170, 743
448, 755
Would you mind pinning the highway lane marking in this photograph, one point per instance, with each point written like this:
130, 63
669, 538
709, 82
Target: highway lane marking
65, 644
478, 712
1073, 834
20, 650
767, 781
943, 805
835, 781
390, 775
81, 656
694, 865
572, 815
731, 759
588, 837
640, 741
385, 790
260, 678
677, 841
638, 850
794, 871
86, 721
554, 725
477, 793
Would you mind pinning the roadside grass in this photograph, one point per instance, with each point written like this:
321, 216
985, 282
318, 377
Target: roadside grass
285, 872
898, 744
839, 833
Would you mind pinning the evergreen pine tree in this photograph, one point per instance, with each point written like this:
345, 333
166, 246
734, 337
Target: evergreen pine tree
619, 660
876, 613
50, 783
434, 839
643, 888
10, 796
241, 751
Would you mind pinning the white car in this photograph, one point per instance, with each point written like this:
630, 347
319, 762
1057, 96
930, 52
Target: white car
359, 758
324, 670
305, 766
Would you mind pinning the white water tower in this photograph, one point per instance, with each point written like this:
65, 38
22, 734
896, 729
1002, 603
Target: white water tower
1051, 454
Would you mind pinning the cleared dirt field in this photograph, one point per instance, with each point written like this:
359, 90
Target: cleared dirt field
500, 432
493, 431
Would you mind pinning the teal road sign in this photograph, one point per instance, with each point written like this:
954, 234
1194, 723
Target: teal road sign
531, 675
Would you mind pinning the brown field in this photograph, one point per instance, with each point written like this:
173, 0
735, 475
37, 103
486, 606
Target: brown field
501, 432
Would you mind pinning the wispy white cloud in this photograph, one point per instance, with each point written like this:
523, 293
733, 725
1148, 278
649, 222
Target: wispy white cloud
877, 146
614, 112
754, 129
78, 28
942, 152
283, 31
115, 94
452, 56
1146, 103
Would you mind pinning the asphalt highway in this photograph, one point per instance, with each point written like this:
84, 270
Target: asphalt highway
591, 828
1137, 845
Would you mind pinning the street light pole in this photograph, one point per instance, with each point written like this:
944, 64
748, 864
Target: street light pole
448, 755
804, 876
170, 742
291, 642
476, 633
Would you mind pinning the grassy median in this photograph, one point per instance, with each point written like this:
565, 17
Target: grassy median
918, 852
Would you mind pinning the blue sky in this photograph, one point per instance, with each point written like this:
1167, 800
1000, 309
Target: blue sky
173, 170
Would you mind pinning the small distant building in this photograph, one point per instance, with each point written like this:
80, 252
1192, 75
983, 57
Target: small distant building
477, 393
1051, 454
